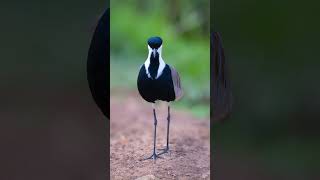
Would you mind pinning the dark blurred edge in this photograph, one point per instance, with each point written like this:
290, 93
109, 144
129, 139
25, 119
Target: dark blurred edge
50, 127
295, 119
220, 86
98, 64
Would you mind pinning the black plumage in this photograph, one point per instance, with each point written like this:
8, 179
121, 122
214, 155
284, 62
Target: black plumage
152, 89
98, 65
157, 81
154, 65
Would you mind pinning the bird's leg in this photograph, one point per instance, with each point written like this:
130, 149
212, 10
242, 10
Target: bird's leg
165, 150
154, 155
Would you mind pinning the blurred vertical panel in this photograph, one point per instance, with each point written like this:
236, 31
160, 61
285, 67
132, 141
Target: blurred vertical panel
272, 52
50, 127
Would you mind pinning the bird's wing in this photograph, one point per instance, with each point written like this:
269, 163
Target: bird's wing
176, 83
221, 97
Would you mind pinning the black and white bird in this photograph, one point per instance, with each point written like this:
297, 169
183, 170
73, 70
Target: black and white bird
157, 81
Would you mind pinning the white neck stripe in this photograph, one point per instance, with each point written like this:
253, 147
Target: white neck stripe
162, 64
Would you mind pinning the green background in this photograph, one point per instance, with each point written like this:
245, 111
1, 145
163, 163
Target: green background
184, 28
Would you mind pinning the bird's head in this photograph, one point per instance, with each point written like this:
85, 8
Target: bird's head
154, 45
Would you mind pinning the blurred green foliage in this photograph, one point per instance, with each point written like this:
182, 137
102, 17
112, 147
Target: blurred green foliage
185, 32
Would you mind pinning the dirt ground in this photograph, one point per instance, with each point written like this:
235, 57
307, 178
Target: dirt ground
131, 138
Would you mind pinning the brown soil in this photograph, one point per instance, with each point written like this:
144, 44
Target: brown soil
131, 138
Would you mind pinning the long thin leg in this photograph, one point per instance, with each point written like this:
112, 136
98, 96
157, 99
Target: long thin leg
168, 126
154, 155
165, 150
154, 133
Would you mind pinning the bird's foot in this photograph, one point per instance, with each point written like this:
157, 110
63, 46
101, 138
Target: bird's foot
165, 150
154, 156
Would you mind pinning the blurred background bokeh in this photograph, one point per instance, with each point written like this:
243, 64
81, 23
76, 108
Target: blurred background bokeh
50, 127
272, 48
184, 27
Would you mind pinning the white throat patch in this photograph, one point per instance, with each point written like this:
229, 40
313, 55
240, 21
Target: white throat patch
162, 64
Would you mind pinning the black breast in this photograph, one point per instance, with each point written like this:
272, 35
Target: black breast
156, 89
154, 65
